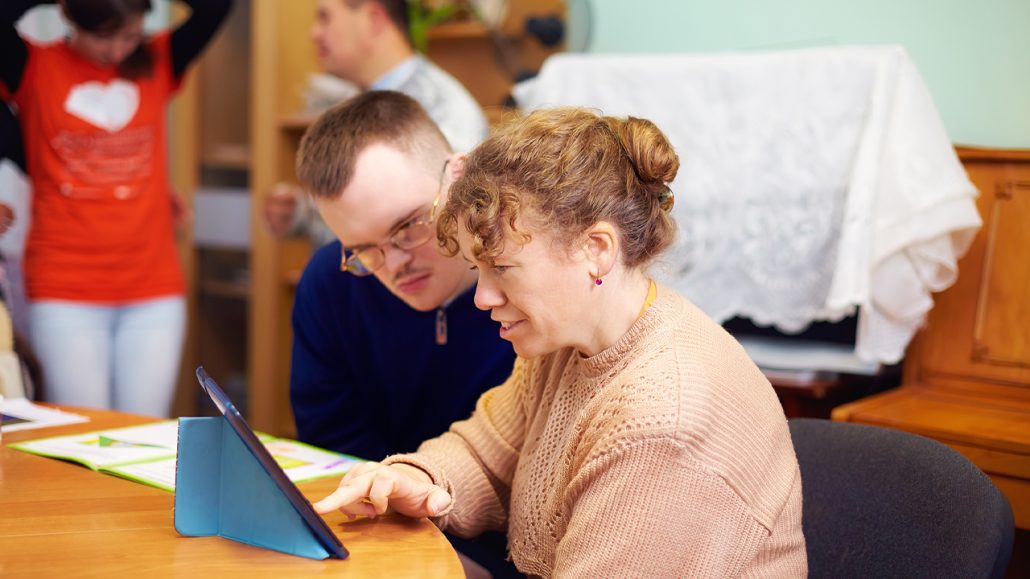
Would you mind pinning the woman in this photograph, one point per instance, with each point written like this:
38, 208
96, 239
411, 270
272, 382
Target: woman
634, 436
106, 311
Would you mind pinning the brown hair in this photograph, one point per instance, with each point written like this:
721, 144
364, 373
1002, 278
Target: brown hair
329, 148
568, 168
396, 10
102, 17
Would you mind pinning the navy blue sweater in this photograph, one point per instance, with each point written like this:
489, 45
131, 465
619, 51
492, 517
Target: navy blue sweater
367, 377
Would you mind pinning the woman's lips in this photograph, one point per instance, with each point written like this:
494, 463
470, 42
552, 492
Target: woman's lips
508, 327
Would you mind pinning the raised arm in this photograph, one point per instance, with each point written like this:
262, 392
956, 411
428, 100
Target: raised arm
13, 50
190, 38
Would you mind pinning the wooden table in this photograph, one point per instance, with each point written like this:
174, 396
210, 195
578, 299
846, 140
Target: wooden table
60, 519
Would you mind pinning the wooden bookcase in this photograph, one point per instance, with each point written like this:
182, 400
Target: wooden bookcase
210, 152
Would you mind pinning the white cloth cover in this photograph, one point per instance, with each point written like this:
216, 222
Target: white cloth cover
812, 181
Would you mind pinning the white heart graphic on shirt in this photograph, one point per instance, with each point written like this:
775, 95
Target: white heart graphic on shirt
109, 106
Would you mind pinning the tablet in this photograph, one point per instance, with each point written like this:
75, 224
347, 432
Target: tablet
303, 507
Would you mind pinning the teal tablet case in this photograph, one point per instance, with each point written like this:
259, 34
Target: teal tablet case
221, 489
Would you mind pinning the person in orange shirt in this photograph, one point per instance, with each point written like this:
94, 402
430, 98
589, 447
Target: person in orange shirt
107, 311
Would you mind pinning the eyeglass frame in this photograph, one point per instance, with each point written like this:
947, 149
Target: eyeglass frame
354, 265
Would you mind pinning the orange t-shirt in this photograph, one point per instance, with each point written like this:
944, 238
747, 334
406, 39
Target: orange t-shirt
102, 228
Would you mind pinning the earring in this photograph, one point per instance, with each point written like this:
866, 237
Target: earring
598, 281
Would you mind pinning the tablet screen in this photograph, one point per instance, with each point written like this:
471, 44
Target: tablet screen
302, 505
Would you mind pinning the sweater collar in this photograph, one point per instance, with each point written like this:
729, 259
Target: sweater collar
607, 359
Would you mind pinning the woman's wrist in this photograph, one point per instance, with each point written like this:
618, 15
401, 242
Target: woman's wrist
420, 469
413, 472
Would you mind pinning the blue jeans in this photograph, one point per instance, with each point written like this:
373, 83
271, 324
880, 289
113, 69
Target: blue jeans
123, 357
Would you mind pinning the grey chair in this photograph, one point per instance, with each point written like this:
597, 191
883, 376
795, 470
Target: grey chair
886, 503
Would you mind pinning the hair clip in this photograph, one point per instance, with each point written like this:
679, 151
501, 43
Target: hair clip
666, 199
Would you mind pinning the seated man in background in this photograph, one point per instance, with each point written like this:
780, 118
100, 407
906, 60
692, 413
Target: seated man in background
367, 43
390, 350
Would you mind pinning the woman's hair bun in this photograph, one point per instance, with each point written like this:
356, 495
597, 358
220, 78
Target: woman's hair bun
650, 153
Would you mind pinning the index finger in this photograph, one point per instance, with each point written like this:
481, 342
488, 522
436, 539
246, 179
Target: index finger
350, 492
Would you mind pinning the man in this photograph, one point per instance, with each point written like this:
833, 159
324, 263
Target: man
367, 43
391, 350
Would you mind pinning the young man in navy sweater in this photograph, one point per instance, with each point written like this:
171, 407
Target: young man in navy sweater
388, 347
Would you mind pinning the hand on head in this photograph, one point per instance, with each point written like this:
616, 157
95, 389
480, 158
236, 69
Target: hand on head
370, 488
281, 208
182, 214
6, 218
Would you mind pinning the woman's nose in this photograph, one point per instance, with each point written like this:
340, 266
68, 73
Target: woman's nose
487, 297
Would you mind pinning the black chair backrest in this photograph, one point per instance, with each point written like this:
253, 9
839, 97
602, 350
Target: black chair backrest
886, 503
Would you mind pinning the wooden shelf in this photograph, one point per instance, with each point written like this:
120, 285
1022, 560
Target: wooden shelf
457, 30
227, 156
225, 289
495, 115
297, 122
969, 153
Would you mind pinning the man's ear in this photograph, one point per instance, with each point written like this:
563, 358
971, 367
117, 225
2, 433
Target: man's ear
377, 17
601, 247
456, 165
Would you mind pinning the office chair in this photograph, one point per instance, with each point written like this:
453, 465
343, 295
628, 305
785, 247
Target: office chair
886, 503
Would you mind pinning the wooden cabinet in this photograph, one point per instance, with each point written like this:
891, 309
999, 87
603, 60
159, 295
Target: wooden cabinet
967, 373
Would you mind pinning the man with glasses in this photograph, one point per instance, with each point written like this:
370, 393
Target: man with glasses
388, 346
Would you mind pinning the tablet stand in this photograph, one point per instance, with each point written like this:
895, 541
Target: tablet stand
222, 489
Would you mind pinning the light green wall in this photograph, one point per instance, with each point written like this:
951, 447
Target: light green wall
973, 54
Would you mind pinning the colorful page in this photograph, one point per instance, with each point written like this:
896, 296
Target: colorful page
302, 462
146, 454
158, 473
108, 448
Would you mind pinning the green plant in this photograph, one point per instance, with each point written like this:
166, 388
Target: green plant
422, 17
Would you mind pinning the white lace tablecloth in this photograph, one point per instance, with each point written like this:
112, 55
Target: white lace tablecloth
813, 182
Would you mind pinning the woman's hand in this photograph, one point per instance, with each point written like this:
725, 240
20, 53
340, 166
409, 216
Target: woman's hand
370, 488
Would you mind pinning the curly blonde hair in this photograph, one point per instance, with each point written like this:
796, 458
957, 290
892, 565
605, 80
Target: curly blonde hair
564, 170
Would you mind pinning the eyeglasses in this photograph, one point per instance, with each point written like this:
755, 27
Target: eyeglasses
407, 236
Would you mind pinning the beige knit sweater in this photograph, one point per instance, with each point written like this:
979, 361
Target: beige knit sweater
666, 455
